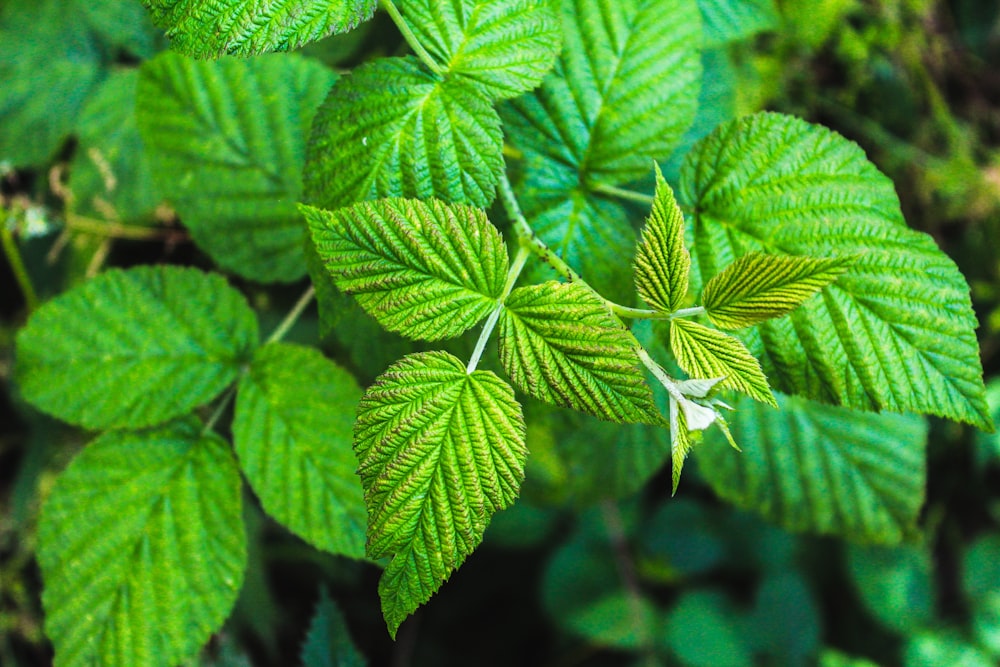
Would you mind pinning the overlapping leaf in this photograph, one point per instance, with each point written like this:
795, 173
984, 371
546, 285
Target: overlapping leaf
759, 287
135, 348
439, 452
428, 270
560, 344
897, 332
212, 28
822, 469
662, 262
328, 642
393, 129
227, 140
623, 92
505, 46
142, 548
292, 432
706, 353
731, 20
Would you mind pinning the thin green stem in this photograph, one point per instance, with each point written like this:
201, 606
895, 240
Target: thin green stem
16, 262
411, 38
491, 322
79, 223
668, 383
293, 315
622, 193
279, 332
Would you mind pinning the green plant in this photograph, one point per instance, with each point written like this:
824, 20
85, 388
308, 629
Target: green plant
782, 271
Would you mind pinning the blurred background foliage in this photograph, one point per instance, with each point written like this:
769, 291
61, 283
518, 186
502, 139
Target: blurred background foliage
596, 565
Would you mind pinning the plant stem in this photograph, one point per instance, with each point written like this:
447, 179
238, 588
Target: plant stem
286, 324
660, 374
491, 321
79, 223
16, 262
411, 38
292, 316
615, 527
622, 193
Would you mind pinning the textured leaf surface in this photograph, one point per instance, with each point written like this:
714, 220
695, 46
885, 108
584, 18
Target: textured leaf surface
212, 28
392, 129
897, 331
427, 270
759, 287
662, 262
505, 46
731, 20
135, 348
560, 344
822, 469
227, 140
440, 451
111, 176
142, 548
293, 435
623, 92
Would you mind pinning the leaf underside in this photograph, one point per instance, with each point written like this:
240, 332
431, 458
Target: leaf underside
439, 451
560, 344
896, 332
427, 270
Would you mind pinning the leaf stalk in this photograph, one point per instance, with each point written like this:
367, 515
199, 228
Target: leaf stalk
491, 322
411, 37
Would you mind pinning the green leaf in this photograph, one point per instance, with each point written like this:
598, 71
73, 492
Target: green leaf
681, 444
758, 287
662, 262
705, 353
817, 468
427, 270
393, 129
897, 332
702, 630
505, 46
49, 65
212, 28
733, 20
328, 643
111, 177
981, 584
227, 140
895, 584
623, 92
439, 451
135, 348
560, 344
293, 433
142, 548
935, 647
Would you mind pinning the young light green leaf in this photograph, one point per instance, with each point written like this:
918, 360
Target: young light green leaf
560, 344
227, 140
732, 20
393, 129
822, 469
427, 270
213, 28
758, 287
623, 92
706, 353
142, 548
135, 348
662, 262
440, 451
505, 46
681, 444
897, 332
292, 433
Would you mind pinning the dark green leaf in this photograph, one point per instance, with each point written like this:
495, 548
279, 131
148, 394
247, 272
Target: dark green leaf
135, 348
142, 548
328, 643
293, 435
